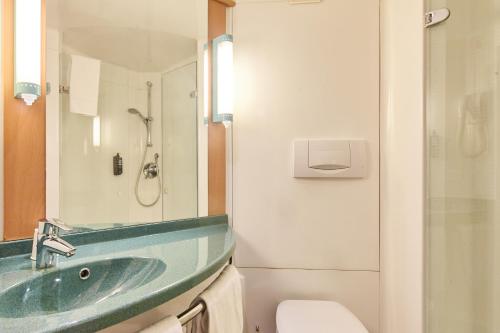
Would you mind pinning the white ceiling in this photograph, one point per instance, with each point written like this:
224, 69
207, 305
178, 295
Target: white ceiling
145, 35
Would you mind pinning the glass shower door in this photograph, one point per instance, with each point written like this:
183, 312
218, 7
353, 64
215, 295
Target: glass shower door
462, 234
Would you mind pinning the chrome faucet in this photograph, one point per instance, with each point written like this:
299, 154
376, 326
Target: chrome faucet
47, 243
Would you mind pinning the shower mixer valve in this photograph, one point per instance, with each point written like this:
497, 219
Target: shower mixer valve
151, 169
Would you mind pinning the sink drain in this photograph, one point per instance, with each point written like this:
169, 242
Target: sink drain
84, 273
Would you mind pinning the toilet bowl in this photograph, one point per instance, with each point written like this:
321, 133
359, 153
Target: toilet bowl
317, 317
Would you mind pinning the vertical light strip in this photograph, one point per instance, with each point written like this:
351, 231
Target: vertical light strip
28, 43
223, 80
96, 131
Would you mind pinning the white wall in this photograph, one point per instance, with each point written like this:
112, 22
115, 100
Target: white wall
305, 71
402, 166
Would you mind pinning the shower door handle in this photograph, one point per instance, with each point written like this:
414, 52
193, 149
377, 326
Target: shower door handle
436, 16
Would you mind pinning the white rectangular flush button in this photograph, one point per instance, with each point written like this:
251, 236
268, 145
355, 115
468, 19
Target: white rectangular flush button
329, 158
329, 155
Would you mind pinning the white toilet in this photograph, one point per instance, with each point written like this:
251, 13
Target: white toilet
316, 317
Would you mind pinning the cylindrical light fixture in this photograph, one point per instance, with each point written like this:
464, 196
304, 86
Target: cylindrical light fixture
28, 50
222, 79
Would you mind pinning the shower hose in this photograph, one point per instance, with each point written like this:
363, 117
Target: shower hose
139, 200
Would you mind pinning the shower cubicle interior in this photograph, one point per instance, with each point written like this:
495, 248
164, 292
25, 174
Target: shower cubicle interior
99, 195
135, 159
463, 169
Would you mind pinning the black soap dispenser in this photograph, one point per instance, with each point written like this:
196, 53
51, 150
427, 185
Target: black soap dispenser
117, 165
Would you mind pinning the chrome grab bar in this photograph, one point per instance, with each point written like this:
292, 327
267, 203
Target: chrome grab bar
190, 313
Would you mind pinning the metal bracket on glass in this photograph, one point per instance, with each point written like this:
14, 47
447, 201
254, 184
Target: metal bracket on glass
436, 16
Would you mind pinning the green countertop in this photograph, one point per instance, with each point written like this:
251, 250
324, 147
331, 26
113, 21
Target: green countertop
192, 251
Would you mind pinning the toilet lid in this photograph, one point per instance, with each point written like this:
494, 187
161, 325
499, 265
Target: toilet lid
317, 317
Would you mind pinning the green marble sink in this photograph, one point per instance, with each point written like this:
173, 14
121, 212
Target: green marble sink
78, 286
132, 270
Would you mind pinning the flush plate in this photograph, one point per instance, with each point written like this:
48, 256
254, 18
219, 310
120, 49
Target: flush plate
329, 158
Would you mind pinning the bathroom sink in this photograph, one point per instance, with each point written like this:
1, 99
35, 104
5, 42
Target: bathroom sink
78, 286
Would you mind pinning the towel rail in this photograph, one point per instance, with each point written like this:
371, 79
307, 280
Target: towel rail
190, 313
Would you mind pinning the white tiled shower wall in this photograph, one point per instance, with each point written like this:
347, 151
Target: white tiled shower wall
90, 192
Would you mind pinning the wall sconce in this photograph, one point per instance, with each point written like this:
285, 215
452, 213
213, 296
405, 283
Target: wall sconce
222, 80
28, 50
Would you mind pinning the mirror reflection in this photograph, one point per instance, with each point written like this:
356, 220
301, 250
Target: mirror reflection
125, 138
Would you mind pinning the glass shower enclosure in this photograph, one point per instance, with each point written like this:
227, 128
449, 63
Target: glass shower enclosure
462, 282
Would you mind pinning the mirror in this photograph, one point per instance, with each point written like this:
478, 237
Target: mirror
126, 137
122, 132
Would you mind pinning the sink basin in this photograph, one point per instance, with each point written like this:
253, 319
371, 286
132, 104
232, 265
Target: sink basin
78, 286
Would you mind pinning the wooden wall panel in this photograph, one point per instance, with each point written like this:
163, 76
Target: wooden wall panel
216, 132
24, 142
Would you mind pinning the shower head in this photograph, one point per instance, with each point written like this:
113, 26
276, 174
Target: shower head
137, 112
147, 121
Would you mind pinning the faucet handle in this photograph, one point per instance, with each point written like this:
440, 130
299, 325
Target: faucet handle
59, 224
52, 225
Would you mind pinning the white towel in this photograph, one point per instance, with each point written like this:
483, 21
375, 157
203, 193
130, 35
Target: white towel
168, 325
84, 85
223, 299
